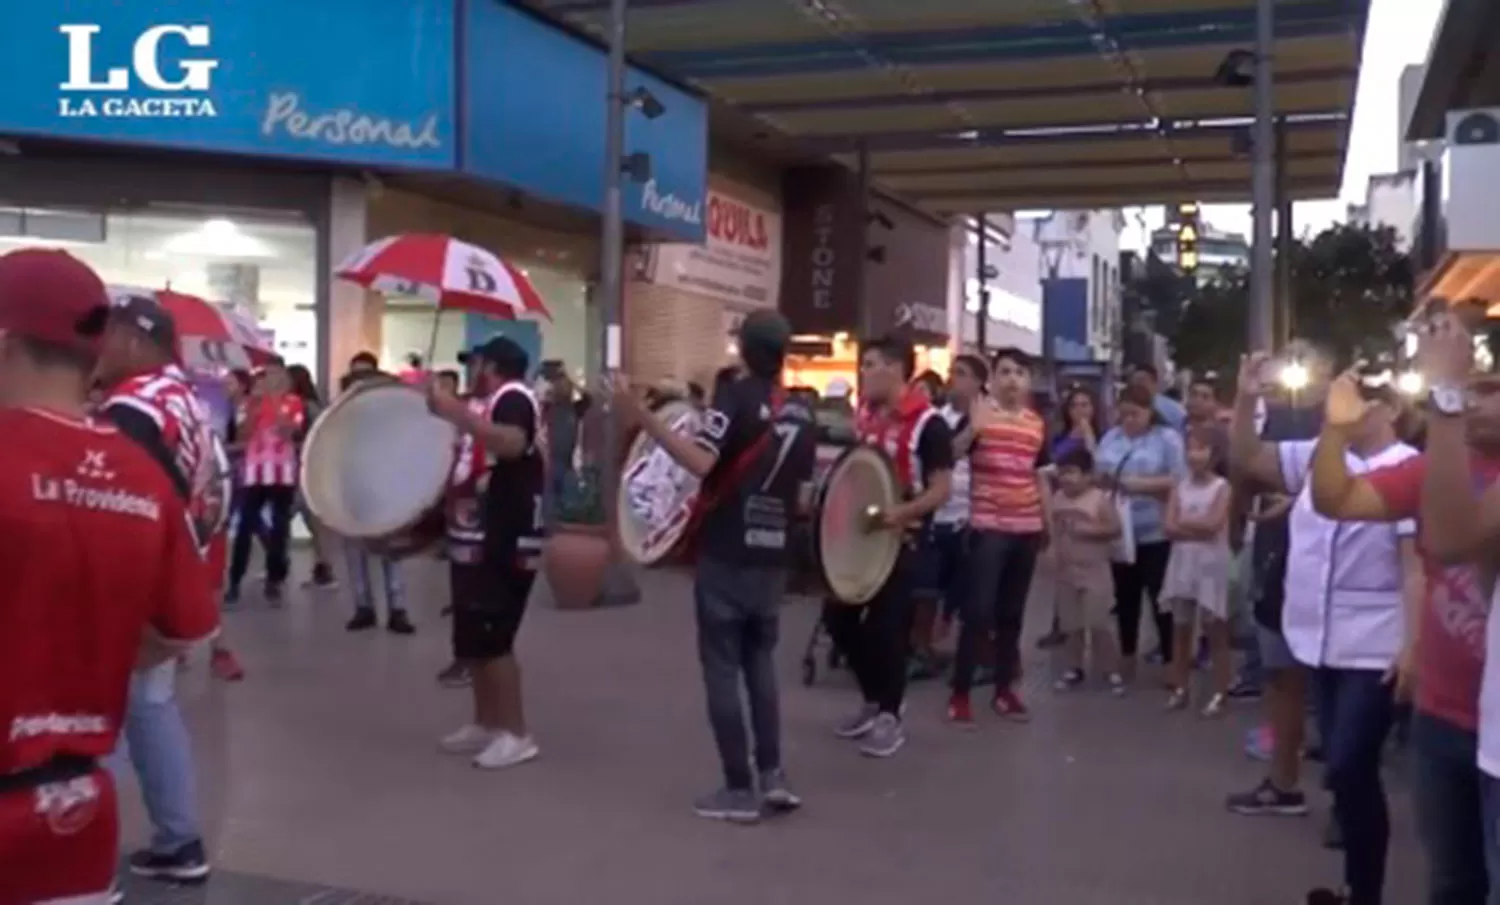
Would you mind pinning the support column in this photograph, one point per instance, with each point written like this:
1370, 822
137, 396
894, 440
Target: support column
349, 318
1282, 319
1263, 183
981, 268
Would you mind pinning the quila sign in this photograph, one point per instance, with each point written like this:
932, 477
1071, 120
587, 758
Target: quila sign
739, 262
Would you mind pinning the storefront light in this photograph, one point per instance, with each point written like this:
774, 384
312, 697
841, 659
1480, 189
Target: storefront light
218, 238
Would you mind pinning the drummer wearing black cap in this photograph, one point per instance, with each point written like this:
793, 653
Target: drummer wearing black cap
495, 535
95, 548
755, 455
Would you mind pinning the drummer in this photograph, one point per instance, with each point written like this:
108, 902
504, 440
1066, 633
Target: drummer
755, 455
897, 418
492, 573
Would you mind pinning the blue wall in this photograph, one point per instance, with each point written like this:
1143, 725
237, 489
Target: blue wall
339, 80
534, 118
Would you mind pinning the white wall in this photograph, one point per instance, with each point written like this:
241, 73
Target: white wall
1015, 315
1391, 200
1086, 245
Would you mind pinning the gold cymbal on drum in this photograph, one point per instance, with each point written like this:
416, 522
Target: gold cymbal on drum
856, 552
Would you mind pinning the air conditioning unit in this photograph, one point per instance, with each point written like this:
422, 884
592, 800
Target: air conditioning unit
1459, 238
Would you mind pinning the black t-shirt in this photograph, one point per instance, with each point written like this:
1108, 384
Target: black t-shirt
1268, 551
934, 450
753, 502
513, 487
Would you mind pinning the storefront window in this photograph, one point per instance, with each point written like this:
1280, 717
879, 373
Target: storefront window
263, 263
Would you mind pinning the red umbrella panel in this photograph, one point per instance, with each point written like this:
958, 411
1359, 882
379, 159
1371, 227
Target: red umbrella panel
446, 272
209, 336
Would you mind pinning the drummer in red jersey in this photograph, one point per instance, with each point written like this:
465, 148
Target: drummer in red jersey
96, 549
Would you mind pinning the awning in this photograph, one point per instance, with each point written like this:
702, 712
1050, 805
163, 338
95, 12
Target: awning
969, 105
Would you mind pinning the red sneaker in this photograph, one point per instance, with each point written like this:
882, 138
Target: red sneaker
1008, 705
226, 665
960, 714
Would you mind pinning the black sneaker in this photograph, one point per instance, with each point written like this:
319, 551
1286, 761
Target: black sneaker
399, 624
274, 593
231, 596
455, 675
1266, 799
1244, 690
1326, 897
322, 578
186, 865
364, 618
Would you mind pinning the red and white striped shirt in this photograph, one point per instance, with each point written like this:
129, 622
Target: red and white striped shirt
271, 451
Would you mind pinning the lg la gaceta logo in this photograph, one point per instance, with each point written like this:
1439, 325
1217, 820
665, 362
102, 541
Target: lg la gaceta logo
141, 90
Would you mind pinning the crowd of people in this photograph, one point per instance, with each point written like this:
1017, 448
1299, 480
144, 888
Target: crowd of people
1363, 563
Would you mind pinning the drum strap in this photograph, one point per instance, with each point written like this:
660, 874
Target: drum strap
709, 498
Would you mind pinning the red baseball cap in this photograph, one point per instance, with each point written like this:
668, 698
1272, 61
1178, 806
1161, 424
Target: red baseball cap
49, 295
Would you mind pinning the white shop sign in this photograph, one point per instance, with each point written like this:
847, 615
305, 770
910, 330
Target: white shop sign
739, 262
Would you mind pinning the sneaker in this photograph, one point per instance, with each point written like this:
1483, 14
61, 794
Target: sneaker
455, 675
1244, 690
506, 750
1258, 743
1068, 680
885, 738
777, 793
274, 593
470, 739
1267, 800
322, 578
733, 805
400, 624
1215, 707
186, 865
859, 725
116, 895
1117, 686
225, 665
960, 713
1008, 705
1177, 699
364, 618
1326, 897
231, 597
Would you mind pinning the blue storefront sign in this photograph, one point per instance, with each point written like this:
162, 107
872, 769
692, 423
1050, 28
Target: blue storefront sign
1066, 301
534, 99
346, 81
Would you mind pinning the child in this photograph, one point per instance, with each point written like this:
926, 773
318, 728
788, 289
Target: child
1197, 579
1084, 523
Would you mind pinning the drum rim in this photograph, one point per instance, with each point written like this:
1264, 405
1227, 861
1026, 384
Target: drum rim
370, 384
868, 590
630, 539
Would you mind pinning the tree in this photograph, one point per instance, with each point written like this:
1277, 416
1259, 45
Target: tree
1351, 287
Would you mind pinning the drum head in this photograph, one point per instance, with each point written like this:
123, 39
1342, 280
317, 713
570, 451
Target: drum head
377, 461
657, 495
857, 560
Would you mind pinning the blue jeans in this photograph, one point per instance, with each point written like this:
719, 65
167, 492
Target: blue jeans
156, 743
941, 573
739, 613
1450, 819
357, 559
1355, 708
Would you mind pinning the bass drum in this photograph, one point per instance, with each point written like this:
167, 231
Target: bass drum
376, 466
855, 557
657, 496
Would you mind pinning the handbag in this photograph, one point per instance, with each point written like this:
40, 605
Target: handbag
1122, 550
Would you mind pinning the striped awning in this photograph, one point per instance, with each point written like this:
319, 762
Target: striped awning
968, 105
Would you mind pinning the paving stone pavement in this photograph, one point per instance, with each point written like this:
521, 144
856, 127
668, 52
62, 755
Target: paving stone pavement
319, 778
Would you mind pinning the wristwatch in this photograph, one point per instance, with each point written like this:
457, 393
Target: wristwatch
1447, 399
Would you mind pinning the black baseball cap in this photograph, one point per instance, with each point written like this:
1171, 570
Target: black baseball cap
500, 350
765, 329
146, 314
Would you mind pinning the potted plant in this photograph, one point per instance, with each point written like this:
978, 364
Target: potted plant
577, 550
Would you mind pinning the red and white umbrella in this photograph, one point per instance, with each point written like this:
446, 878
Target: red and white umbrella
446, 272
210, 336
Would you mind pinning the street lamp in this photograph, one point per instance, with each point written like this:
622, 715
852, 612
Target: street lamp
620, 587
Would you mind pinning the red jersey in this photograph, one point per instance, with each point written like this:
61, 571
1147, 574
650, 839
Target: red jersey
897, 431
180, 419
271, 450
94, 546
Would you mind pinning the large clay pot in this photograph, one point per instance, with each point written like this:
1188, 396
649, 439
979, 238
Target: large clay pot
573, 562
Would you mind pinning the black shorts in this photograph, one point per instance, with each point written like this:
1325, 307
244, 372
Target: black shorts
488, 604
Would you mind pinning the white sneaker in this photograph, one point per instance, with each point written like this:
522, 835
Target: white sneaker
506, 750
471, 739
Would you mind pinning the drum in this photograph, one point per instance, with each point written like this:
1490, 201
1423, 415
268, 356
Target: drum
856, 556
376, 466
657, 495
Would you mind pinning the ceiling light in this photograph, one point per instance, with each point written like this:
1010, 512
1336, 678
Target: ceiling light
218, 238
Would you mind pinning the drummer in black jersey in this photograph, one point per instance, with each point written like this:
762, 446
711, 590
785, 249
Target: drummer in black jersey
897, 417
755, 454
493, 573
